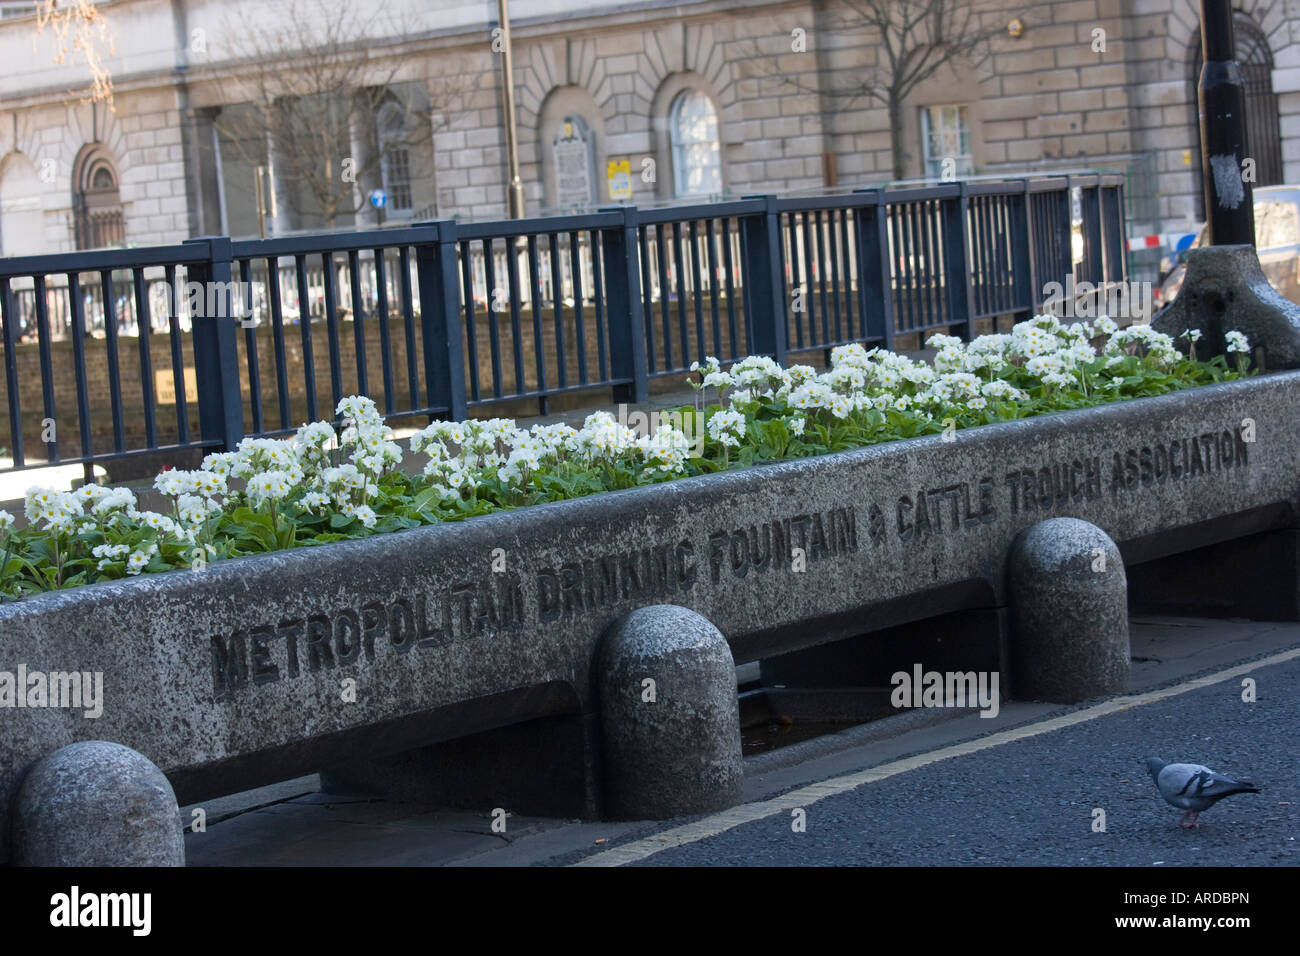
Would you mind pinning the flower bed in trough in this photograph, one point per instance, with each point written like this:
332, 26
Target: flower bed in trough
376, 657
330, 484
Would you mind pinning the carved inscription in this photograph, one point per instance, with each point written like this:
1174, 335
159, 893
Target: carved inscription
409, 623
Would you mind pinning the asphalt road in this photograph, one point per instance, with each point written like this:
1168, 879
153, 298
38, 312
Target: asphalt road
1028, 801
1033, 801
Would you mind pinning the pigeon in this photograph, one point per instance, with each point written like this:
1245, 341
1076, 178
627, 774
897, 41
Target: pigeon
1193, 788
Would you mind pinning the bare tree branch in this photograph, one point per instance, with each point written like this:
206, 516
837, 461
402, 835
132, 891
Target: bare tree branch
913, 39
307, 97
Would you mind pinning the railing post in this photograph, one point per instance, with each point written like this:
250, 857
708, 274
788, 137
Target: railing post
875, 288
765, 303
956, 265
1090, 203
444, 357
620, 254
1112, 214
216, 361
1022, 248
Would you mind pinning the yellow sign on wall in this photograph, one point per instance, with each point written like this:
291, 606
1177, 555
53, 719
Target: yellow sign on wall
164, 387
619, 174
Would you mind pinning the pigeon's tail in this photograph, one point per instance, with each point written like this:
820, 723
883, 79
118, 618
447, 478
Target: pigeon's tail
1245, 786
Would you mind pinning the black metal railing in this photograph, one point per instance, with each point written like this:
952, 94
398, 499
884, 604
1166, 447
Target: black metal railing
439, 318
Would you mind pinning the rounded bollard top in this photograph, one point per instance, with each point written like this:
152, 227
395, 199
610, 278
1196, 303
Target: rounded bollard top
661, 629
97, 803
1062, 545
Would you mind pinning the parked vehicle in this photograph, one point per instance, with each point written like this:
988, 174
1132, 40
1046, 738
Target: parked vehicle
1277, 239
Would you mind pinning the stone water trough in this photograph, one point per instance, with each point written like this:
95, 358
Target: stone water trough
577, 658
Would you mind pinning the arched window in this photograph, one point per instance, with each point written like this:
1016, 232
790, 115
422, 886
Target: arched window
575, 179
1263, 135
395, 156
697, 160
96, 205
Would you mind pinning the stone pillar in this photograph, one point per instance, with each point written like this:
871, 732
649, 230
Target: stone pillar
96, 803
1069, 613
670, 721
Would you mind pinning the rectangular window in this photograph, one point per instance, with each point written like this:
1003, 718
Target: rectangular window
945, 135
397, 179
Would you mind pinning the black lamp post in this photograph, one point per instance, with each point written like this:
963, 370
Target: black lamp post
1229, 206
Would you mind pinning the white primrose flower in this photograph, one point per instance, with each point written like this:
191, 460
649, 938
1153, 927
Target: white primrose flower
727, 427
221, 462
271, 486
363, 513
666, 450
1237, 342
140, 558
851, 356
6, 521
1105, 325
797, 425
314, 502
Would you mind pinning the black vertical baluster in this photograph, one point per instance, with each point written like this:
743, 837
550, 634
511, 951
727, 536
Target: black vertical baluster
144, 326
984, 268
304, 327
178, 358
729, 281
575, 266
831, 218
114, 372
647, 297
79, 366
796, 280
598, 299
494, 328
809, 293
711, 239
408, 320
698, 290
679, 289
847, 257
47, 365
821, 276
661, 246
277, 340
10, 318
535, 293
332, 329
385, 340
906, 259
358, 321
557, 312
930, 273
516, 330
938, 269
466, 247
250, 343
973, 227
1007, 302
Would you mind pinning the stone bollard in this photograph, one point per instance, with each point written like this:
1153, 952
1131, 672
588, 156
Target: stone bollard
96, 803
670, 721
1069, 613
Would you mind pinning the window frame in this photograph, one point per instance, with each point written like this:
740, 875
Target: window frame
682, 150
932, 163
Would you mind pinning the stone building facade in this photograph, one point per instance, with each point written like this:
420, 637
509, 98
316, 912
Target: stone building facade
644, 101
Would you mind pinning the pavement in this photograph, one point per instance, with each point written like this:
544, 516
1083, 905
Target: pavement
927, 787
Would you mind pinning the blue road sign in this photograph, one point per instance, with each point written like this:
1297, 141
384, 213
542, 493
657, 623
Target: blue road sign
378, 198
